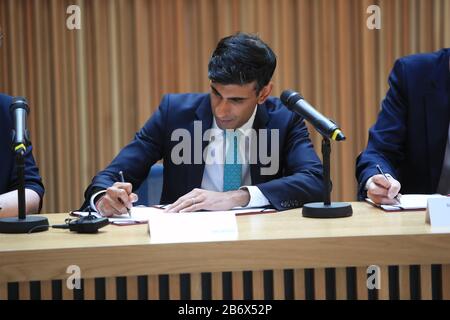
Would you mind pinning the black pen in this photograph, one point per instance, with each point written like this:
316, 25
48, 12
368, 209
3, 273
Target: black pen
122, 179
385, 176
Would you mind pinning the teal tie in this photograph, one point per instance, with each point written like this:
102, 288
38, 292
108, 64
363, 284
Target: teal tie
232, 169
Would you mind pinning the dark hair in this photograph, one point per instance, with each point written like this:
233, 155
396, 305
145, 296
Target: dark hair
240, 59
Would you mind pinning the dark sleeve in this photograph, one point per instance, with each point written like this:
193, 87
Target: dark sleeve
386, 144
33, 180
303, 173
135, 159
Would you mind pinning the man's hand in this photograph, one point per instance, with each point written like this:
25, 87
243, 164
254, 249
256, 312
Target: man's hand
117, 199
382, 191
199, 199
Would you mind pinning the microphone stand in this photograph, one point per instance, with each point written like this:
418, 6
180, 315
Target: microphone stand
22, 223
327, 209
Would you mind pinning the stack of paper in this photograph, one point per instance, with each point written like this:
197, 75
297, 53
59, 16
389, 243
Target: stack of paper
408, 202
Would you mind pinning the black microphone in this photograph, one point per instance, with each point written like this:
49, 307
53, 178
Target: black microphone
295, 102
19, 110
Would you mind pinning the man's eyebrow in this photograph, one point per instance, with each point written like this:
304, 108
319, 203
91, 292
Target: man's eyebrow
230, 98
215, 91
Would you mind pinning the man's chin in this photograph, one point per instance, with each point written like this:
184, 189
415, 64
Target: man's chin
225, 125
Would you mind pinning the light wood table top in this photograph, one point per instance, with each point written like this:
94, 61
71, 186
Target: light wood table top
266, 241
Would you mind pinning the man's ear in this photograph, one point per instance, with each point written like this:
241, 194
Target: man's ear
265, 92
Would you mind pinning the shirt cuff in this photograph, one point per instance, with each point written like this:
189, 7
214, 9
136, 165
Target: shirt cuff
93, 197
257, 198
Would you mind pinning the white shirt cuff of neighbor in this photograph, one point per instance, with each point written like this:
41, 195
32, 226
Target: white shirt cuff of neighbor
257, 199
91, 202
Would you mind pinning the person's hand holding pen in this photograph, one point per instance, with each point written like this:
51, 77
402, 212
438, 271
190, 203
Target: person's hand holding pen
118, 199
383, 188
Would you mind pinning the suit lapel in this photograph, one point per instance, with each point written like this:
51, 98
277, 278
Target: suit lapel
261, 119
437, 117
203, 115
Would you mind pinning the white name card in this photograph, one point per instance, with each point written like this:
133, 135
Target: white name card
192, 227
438, 212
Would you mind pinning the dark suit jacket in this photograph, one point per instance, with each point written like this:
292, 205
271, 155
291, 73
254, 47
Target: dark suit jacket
410, 135
8, 170
297, 181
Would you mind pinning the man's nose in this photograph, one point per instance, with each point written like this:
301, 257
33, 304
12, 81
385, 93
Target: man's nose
223, 108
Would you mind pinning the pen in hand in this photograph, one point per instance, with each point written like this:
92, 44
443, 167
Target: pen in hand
387, 179
122, 179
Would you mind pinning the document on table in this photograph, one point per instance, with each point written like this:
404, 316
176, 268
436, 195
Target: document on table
408, 202
140, 214
192, 227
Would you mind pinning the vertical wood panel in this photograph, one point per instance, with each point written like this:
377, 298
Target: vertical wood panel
278, 285
196, 286
217, 286
67, 294
299, 284
110, 288
383, 293
341, 284
404, 285
24, 291
46, 290
258, 285
361, 283
319, 284
237, 285
425, 282
3, 291
174, 287
132, 288
89, 289
446, 282
153, 287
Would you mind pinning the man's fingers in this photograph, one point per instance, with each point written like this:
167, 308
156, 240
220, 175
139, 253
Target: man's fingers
128, 187
108, 206
394, 189
197, 203
179, 203
120, 195
377, 190
391, 186
381, 180
182, 205
383, 200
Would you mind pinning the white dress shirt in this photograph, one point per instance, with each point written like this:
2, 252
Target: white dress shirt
215, 159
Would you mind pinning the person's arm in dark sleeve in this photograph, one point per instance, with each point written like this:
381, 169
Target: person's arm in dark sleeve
33, 180
386, 144
135, 159
303, 172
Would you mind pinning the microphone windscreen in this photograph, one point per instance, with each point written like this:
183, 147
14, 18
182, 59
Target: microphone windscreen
290, 97
19, 102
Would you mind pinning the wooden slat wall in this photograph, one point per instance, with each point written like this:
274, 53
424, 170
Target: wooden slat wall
91, 89
320, 286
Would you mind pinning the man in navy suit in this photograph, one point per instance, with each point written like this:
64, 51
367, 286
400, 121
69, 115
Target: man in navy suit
233, 147
34, 190
411, 139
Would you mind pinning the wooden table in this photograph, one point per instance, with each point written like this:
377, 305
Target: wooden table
280, 245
